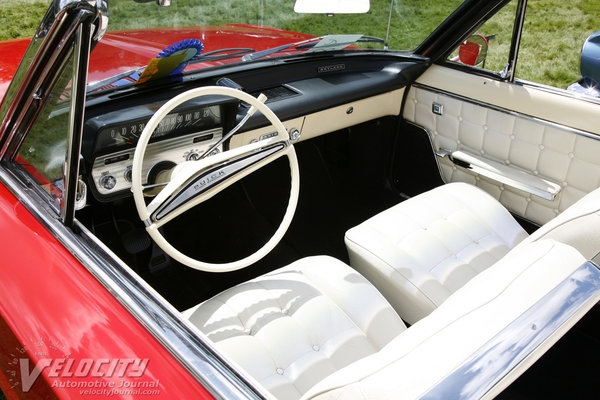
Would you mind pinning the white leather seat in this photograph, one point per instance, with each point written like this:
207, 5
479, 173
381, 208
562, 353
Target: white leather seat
422, 250
294, 326
436, 346
316, 329
578, 226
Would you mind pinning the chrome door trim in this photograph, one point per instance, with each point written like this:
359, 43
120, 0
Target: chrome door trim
479, 374
468, 161
556, 91
146, 305
568, 129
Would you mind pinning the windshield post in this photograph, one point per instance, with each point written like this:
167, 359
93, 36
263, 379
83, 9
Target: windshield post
83, 40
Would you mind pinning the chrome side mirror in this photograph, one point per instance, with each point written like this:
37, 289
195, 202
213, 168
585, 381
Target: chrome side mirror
589, 84
473, 51
590, 58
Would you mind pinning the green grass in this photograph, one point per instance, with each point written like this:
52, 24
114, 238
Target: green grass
568, 24
550, 49
413, 19
20, 18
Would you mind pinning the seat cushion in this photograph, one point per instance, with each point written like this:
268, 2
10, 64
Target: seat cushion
422, 250
291, 328
437, 345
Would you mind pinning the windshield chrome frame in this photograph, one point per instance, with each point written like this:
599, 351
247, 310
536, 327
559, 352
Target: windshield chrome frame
83, 41
67, 23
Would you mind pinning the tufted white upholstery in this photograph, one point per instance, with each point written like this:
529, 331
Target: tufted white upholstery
422, 250
318, 330
294, 326
435, 346
541, 149
577, 226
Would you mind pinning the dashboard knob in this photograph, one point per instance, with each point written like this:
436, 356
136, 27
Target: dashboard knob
294, 134
108, 182
127, 174
192, 156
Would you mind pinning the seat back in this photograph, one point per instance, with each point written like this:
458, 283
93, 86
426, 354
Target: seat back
422, 250
577, 226
429, 351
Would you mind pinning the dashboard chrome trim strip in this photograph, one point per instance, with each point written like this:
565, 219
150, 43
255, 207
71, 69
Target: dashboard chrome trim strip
174, 150
477, 375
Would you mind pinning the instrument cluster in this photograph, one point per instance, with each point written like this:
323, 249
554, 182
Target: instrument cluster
183, 135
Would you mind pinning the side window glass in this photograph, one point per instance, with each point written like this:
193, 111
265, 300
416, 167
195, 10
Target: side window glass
489, 47
43, 152
551, 45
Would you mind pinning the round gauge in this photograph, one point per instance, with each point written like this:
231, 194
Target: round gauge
126, 134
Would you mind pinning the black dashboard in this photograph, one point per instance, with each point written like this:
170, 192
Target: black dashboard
115, 120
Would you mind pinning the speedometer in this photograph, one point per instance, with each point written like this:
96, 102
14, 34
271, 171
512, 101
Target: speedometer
126, 133
185, 121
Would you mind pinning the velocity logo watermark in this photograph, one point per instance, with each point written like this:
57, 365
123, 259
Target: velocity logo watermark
103, 377
64, 369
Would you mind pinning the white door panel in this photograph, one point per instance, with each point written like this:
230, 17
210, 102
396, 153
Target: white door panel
534, 167
527, 100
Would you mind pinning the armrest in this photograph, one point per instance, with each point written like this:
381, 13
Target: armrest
508, 175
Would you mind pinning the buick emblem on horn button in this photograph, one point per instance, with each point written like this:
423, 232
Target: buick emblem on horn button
208, 180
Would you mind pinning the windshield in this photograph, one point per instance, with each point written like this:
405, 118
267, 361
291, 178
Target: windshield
146, 41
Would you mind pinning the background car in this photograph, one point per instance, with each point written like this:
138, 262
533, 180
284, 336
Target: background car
183, 186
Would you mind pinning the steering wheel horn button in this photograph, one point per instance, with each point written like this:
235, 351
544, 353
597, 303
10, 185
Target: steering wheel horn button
208, 179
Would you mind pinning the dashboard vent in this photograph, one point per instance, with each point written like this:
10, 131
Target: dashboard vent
276, 93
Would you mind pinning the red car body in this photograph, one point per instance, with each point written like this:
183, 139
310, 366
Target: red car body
122, 51
57, 309
69, 330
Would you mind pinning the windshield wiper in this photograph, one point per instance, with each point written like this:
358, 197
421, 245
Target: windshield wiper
217, 54
264, 53
206, 57
321, 43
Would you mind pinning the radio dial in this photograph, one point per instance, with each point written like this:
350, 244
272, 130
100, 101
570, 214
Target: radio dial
108, 182
192, 156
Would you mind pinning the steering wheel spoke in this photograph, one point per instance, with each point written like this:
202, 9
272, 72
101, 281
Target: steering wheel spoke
197, 181
193, 182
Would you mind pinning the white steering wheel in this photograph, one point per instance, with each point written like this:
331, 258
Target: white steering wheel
193, 182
